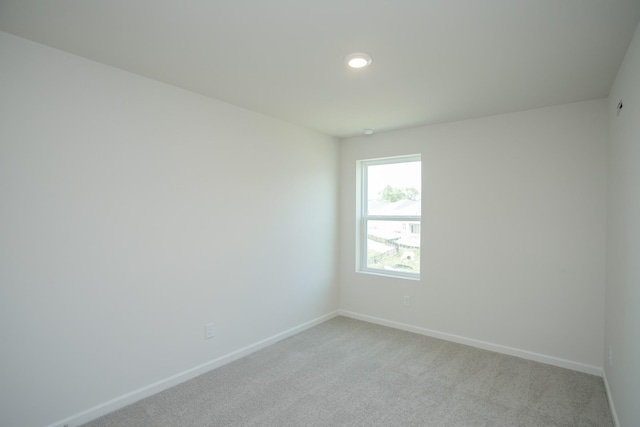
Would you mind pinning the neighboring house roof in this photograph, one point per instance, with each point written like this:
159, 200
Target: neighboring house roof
399, 208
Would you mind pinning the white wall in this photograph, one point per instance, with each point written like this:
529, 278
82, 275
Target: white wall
622, 332
132, 213
513, 233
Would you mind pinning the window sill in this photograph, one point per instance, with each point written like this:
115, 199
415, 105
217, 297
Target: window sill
391, 274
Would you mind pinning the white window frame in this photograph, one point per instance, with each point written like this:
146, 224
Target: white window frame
364, 218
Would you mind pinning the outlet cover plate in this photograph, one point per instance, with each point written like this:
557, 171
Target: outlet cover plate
210, 331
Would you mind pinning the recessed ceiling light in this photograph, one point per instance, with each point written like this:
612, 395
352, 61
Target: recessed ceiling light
357, 60
368, 131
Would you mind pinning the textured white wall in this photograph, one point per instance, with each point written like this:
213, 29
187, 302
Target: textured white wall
623, 241
132, 213
513, 234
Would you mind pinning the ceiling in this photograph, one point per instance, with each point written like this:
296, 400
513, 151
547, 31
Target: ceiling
433, 60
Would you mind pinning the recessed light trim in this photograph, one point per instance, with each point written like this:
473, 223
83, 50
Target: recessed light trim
357, 60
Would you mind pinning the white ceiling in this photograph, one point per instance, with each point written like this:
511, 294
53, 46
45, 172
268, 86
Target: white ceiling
433, 60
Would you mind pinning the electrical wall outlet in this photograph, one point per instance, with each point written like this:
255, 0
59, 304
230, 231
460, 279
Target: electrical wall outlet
210, 331
406, 301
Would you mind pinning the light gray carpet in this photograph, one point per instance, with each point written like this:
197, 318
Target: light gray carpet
345, 372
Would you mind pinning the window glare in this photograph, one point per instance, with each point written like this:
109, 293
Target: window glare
397, 175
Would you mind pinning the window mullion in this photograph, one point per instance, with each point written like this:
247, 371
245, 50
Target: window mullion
391, 218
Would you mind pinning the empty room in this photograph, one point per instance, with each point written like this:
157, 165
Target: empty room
211, 213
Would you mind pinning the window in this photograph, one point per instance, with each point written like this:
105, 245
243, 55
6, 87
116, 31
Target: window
389, 229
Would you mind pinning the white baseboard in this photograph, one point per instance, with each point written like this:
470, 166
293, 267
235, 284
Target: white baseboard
614, 414
157, 387
141, 393
536, 357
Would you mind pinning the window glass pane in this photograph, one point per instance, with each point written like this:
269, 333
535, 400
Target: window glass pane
394, 189
393, 245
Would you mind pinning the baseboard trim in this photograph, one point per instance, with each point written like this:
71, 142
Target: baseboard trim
524, 354
614, 414
136, 395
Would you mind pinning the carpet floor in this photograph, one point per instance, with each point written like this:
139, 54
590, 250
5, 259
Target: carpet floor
346, 372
